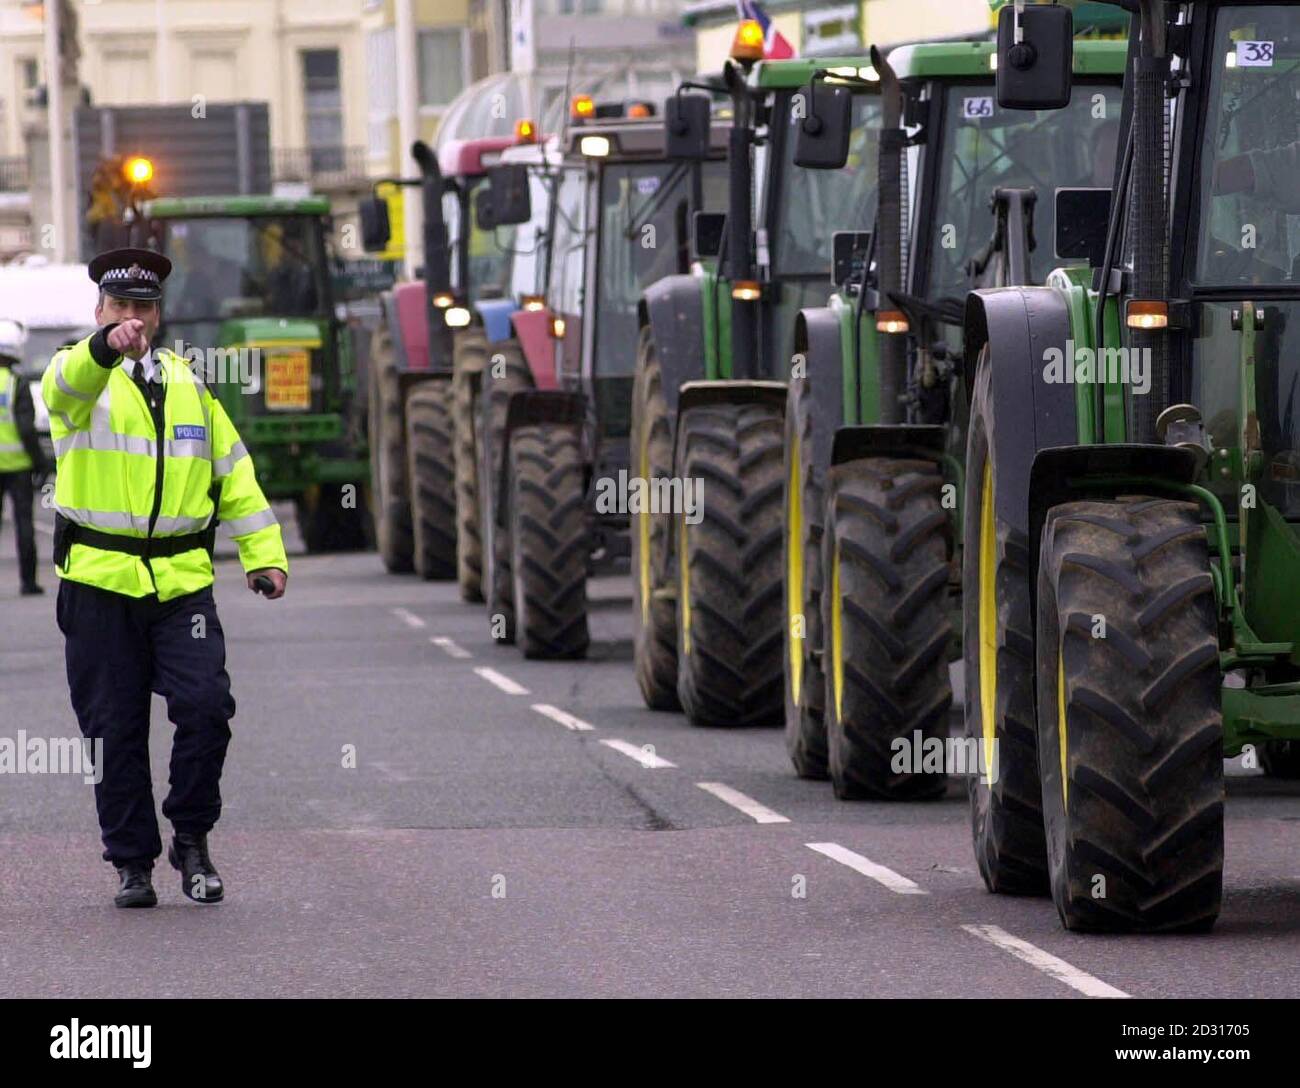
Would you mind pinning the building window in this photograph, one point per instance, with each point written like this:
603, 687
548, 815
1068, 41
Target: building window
831, 30
442, 65
323, 100
29, 74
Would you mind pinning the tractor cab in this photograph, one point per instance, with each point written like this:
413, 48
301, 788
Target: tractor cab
1133, 443
251, 302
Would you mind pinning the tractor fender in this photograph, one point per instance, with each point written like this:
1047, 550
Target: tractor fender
818, 337
558, 408
533, 331
409, 327
1069, 473
673, 307
925, 441
1019, 325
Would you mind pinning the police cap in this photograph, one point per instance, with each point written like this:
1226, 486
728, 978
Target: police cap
131, 273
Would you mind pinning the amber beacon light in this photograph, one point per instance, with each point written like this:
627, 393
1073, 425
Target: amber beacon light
747, 45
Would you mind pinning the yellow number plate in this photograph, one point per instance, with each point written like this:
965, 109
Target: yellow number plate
288, 380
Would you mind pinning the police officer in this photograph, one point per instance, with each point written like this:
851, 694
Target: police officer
148, 461
21, 457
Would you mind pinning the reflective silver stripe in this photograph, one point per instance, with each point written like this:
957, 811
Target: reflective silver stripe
64, 387
66, 420
112, 443
178, 526
250, 524
11, 449
104, 519
224, 466
188, 447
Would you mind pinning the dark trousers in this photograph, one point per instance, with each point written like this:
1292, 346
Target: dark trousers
19, 487
119, 651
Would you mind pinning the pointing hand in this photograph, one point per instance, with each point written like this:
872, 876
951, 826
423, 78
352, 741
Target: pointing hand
129, 339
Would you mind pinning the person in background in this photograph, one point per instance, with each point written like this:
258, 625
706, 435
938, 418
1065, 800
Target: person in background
22, 460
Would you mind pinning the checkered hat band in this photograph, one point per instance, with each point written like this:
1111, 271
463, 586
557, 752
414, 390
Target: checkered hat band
133, 273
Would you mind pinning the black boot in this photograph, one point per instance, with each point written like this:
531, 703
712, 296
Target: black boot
199, 879
137, 886
31, 590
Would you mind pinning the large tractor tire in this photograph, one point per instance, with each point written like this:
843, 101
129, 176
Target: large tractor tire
729, 603
388, 486
470, 356
331, 519
805, 725
885, 614
654, 611
429, 467
1130, 727
1006, 806
500, 383
550, 541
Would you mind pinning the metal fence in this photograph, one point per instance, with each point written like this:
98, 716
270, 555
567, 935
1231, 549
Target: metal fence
323, 167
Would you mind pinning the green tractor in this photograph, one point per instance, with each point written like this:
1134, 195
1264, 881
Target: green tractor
555, 422
251, 292
1133, 478
709, 393
876, 411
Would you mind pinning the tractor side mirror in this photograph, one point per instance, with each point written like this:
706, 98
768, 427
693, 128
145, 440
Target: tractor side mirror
375, 229
1034, 73
1082, 221
686, 127
707, 230
851, 250
821, 137
510, 200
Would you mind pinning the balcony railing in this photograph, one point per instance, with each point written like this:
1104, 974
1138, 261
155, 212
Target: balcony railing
13, 175
323, 167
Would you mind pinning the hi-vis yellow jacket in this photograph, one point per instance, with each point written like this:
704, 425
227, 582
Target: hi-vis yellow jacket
117, 475
13, 454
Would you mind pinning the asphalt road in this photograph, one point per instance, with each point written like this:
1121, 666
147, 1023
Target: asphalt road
488, 843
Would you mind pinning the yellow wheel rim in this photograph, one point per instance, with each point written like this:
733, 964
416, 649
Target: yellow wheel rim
1060, 721
643, 529
988, 604
684, 604
837, 641
794, 574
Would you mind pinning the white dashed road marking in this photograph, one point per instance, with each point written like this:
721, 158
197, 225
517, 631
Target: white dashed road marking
895, 882
451, 647
1046, 962
408, 618
503, 682
758, 813
644, 756
563, 717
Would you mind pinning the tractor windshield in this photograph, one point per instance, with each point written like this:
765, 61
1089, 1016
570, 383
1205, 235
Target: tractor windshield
644, 236
229, 267
813, 204
1250, 180
986, 148
489, 252
1247, 382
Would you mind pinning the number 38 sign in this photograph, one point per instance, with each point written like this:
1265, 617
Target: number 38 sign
1255, 54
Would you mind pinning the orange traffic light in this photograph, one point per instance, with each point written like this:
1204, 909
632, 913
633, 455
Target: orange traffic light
138, 170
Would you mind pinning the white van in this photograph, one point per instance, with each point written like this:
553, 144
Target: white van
56, 304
